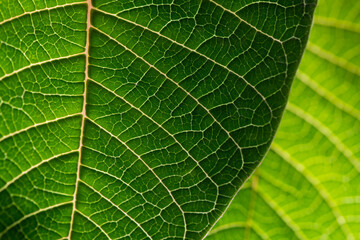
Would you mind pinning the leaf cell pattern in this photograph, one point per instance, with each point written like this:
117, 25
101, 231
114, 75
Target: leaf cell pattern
137, 119
308, 185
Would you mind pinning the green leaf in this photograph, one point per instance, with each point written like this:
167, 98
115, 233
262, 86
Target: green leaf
308, 185
137, 119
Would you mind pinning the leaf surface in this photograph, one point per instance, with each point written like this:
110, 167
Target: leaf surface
308, 185
137, 119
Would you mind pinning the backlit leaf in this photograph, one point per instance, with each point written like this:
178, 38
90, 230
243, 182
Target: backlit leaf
137, 119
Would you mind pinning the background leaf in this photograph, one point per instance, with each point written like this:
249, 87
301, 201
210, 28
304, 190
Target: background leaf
308, 185
137, 119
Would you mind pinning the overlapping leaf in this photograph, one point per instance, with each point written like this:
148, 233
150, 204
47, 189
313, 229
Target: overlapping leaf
137, 119
308, 185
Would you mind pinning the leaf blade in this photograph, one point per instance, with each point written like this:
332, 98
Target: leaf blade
151, 107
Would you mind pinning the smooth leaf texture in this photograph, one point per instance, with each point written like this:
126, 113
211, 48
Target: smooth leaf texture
308, 185
137, 119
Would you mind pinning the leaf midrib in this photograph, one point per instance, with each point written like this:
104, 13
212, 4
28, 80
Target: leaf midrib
83, 113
